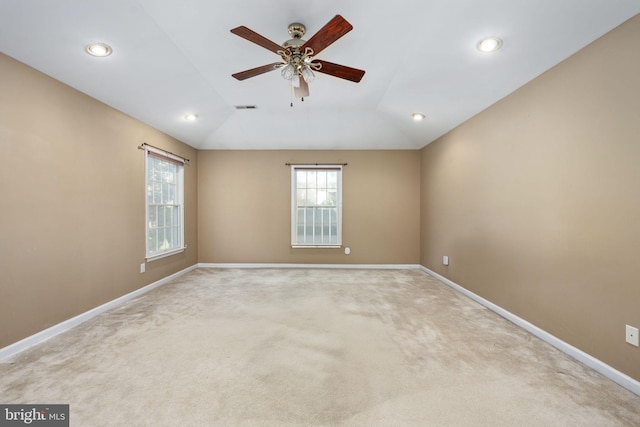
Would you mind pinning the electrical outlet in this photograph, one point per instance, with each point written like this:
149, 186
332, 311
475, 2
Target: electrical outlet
445, 260
142, 267
632, 336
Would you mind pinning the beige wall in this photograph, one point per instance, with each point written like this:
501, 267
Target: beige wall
245, 207
537, 200
72, 232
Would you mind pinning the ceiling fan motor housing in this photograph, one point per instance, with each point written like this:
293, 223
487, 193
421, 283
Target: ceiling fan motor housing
294, 44
297, 30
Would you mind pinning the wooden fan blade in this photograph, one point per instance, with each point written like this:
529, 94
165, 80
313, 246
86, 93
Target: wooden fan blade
256, 38
340, 71
303, 90
328, 34
243, 75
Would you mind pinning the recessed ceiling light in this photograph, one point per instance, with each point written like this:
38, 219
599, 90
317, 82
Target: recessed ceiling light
489, 44
418, 117
191, 117
99, 49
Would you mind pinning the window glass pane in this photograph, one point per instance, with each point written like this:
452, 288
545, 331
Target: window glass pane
318, 230
176, 235
168, 216
300, 227
311, 197
169, 237
165, 193
162, 243
326, 218
332, 179
169, 172
301, 179
311, 179
157, 170
153, 216
176, 217
332, 198
302, 197
153, 240
333, 229
309, 225
161, 215
321, 196
321, 181
171, 198
157, 192
165, 171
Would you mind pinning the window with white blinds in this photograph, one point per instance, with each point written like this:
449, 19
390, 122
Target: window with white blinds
164, 203
316, 206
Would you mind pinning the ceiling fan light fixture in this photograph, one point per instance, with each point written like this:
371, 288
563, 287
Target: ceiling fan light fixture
99, 49
307, 74
489, 44
288, 71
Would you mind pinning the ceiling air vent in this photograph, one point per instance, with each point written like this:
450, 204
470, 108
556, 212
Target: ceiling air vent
246, 107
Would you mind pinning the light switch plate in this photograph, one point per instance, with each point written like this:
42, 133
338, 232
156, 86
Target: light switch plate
632, 336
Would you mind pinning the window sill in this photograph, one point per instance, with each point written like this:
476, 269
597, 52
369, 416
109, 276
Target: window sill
316, 246
166, 254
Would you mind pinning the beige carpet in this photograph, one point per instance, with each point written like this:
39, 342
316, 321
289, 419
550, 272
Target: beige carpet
309, 348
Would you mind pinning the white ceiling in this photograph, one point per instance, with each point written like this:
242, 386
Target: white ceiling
175, 57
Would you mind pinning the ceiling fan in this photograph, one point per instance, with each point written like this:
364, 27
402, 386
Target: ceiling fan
298, 55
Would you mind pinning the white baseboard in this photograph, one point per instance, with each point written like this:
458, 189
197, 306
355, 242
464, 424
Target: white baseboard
48, 333
595, 364
336, 266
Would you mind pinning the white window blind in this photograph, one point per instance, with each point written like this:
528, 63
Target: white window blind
164, 203
316, 206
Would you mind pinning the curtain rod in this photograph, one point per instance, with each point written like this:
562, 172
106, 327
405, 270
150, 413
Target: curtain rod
141, 147
317, 164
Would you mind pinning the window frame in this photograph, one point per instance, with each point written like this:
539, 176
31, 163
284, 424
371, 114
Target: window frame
151, 152
294, 206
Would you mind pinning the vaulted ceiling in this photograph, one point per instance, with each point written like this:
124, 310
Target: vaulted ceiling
171, 58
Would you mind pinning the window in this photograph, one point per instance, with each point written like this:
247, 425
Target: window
165, 203
316, 206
